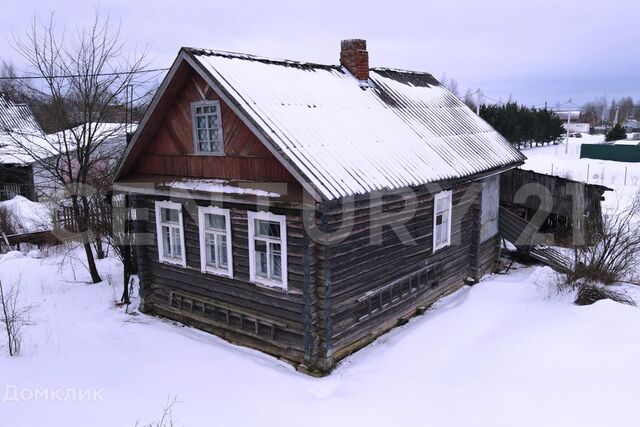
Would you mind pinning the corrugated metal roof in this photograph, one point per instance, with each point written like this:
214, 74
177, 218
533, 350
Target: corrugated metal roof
17, 123
401, 129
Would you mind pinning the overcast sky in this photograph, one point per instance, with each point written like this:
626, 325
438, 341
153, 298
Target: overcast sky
533, 51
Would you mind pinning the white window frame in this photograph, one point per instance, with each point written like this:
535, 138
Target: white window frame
204, 267
194, 126
176, 206
439, 196
267, 216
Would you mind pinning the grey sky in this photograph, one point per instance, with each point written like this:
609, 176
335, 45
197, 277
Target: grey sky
535, 51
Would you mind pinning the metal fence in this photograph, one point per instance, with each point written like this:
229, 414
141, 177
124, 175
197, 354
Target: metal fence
618, 153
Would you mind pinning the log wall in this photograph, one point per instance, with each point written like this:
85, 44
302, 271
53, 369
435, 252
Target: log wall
328, 311
353, 268
230, 307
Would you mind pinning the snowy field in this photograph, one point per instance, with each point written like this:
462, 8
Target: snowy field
565, 161
507, 351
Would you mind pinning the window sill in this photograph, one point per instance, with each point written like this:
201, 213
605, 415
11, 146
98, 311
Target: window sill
177, 262
438, 248
208, 154
216, 272
270, 284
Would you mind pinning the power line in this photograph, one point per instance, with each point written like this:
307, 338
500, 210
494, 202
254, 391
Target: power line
72, 76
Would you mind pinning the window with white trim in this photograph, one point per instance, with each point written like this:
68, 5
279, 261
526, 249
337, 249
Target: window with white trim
170, 229
207, 127
442, 220
268, 249
215, 240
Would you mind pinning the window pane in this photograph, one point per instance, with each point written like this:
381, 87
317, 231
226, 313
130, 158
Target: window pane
202, 135
442, 205
276, 266
212, 121
202, 122
177, 244
261, 258
213, 135
198, 110
169, 215
214, 221
215, 146
267, 228
211, 249
166, 241
222, 251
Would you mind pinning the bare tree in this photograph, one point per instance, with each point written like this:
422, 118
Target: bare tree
85, 80
469, 101
14, 317
450, 84
615, 256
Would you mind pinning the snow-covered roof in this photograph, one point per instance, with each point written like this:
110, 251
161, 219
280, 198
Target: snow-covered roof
400, 129
564, 115
18, 127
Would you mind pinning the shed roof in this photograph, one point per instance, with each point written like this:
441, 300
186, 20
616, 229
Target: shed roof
346, 137
18, 127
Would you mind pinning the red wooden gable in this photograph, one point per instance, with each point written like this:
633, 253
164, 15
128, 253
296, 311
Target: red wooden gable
165, 145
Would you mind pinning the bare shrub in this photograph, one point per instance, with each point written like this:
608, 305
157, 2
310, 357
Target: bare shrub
9, 224
615, 256
14, 317
589, 293
166, 419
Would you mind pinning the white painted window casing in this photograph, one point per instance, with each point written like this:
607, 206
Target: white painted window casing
268, 249
170, 232
214, 225
442, 206
207, 128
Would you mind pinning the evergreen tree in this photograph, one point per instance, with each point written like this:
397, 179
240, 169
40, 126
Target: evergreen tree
616, 133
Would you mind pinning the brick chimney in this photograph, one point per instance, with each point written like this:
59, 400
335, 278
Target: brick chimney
355, 58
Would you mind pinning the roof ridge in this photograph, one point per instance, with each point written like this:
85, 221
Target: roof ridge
401, 70
257, 58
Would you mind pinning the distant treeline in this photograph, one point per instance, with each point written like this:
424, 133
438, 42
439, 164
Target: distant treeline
522, 125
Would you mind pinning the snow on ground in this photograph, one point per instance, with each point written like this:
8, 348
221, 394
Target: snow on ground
565, 161
30, 216
504, 352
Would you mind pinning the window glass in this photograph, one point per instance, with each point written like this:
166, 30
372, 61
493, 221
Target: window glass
207, 128
267, 228
215, 221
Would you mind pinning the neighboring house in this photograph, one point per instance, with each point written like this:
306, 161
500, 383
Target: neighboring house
110, 142
570, 122
631, 125
306, 209
18, 128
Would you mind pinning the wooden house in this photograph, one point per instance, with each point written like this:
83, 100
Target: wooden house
18, 127
305, 209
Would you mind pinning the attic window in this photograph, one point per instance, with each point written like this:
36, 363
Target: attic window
207, 127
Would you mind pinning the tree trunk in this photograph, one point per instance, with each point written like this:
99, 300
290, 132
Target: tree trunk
125, 251
100, 254
81, 220
6, 320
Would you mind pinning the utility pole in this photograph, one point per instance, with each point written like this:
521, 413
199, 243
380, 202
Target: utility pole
566, 148
566, 145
